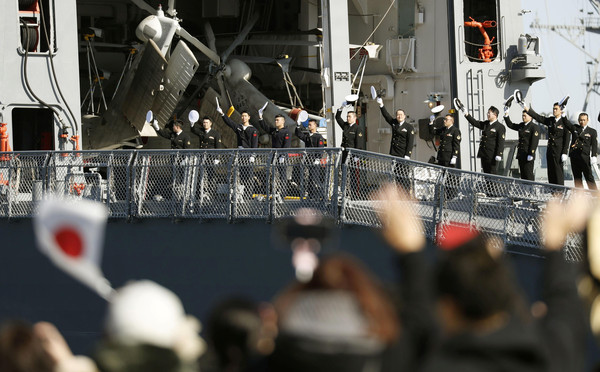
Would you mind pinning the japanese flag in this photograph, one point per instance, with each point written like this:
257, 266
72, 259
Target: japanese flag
71, 234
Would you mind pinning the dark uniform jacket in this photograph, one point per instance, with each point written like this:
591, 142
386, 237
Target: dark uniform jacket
246, 138
558, 135
210, 140
181, 141
310, 140
529, 137
280, 138
585, 140
449, 142
353, 136
492, 138
403, 136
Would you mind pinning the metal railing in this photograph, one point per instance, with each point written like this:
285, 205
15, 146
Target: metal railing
269, 184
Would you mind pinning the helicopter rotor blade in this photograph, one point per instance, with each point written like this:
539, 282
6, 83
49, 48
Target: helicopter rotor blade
144, 6
241, 36
198, 44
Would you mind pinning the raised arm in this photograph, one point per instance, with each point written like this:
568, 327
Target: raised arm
564, 324
266, 127
338, 118
386, 115
229, 123
510, 124
475, 123
304, 136
539, 118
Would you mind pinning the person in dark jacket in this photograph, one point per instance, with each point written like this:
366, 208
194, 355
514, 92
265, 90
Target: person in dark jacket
529, 138
449, 149
353, 136
280, 135
491, 144
209, 138
179, 139
584, 151
247, 135
403, 134
484, 326
310, 138
558, 141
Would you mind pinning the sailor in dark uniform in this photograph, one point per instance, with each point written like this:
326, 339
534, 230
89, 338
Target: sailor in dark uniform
529, 137
179, 139
403, 134
449, 149
317, 161
280, 135
310, 138
209, 138
584, 151
491, 144
558, 141
353, 136
247, 135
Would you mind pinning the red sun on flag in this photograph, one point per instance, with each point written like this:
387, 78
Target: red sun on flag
69, 241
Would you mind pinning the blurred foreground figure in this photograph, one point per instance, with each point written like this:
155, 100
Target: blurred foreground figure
339, 320
477, 301
240, 333
148, 330
38, 348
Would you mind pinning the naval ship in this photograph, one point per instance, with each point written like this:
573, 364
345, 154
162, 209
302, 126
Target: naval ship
80, 76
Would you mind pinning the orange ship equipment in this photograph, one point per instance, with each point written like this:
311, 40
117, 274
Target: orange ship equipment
485, 53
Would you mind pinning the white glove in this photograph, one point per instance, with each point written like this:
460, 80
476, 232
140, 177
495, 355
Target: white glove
281, 160
344, 104
216, 161
431, 119
498, 158
155, 125
317, 162
406, 157
379, 101
252, 158
464, 111
453, 160
356, 159
564, 113
219, 110
523, 105
506, 110
594, 160
260, 110
529, 158
563, 158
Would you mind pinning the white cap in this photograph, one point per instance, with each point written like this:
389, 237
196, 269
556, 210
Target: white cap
145, 312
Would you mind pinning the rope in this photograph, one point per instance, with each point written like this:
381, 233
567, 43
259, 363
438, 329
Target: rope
375, 29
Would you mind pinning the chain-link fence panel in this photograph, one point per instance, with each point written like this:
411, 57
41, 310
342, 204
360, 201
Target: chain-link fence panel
161, 183
305, 178
22, 180
363, 173
101, 176
210, 191
251, 183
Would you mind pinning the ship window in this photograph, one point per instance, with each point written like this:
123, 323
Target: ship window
33, 129
36, 19
481, 30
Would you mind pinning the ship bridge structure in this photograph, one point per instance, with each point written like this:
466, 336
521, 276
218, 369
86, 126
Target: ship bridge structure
267, 185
